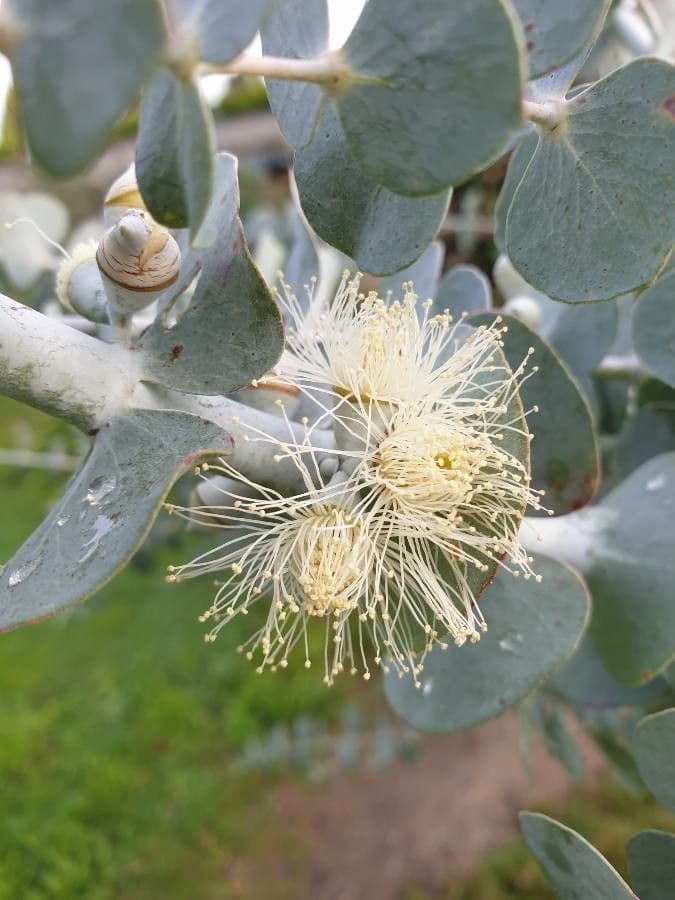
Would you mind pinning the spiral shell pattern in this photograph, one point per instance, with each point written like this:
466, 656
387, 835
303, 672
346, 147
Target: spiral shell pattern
140, 258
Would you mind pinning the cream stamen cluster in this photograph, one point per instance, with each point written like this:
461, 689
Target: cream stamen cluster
307, 554
432, 483
366, 348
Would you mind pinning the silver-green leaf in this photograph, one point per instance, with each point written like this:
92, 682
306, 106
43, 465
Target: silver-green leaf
518, 162
623, 547
651, 861
174, 152
594, 214
381, 231
106, 511
297, 29
574, 867
586, 682
654, 327
78, 66
463, 289
654, 745
532, 629
223, 28
555, 31
231, 331
432, 95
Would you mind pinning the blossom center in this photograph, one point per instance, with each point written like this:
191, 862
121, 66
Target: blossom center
430, 464
327, 561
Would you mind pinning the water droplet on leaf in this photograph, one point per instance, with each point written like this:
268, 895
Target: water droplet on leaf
102, 527
23, 572
99, 489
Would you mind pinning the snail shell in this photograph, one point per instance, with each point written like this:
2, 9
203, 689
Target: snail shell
138, 261
122, 197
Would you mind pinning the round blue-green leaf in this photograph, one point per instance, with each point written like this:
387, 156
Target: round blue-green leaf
231, 331
555, 31
297, 29
106, 511
518, 162
651, 861
574, 867
223, 28
532, 629
463, 289
585, 680
633, 573
564, 452
623, 546
381, 231
594, 214
654, 327
434, 90
302, 262
174, 152
78, 66
654, 745
424, 274
583, 335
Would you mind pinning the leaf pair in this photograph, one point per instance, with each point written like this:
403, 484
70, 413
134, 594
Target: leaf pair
575, 868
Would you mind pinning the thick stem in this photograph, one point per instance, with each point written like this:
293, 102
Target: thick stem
570, 538
85, 381
255, 459
627, 367
633, 28
325, 69
60, 370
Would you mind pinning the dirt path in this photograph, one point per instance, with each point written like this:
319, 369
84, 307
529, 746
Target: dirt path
368, 837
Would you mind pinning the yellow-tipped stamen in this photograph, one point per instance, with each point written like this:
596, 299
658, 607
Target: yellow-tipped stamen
432, 484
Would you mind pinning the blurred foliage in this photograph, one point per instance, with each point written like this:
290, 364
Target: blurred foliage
245, 95
11, 142
604, 814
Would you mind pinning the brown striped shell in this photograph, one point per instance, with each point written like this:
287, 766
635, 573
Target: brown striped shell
140, 258
122, 197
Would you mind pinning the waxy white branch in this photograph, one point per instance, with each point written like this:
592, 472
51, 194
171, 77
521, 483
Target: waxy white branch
86, 382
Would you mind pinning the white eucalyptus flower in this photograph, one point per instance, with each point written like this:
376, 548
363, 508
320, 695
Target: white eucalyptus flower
313, 556
431, 486
366, 348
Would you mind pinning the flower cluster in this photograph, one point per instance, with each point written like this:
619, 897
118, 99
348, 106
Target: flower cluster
432, 482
